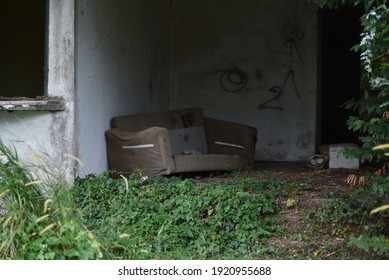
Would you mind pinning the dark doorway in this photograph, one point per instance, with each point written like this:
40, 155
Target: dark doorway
340, 72
22, 29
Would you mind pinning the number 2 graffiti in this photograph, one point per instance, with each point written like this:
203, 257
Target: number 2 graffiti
278, 91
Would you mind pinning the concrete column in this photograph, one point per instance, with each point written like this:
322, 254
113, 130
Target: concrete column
61, 82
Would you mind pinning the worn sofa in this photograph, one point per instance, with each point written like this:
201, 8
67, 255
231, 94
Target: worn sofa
178, 141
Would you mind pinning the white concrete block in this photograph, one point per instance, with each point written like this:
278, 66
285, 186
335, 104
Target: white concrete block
338, 160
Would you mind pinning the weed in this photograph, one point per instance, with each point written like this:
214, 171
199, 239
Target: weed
39, 219
234, 217
348, 217
175, 218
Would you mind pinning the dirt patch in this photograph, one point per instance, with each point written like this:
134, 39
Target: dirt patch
309, 190
313, 189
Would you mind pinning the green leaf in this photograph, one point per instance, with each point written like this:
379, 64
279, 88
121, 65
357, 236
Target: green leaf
72, 253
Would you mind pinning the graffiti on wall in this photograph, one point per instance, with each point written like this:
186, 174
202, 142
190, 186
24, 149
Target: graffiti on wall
233, 80
292, 34
278, 91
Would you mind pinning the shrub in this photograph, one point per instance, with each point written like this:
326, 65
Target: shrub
372, 108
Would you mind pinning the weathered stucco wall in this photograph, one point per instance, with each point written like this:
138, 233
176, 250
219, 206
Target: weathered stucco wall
271, 45
247, 61
123, 64
50, 135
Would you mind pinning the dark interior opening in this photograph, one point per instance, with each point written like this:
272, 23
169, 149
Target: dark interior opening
22, 27
340, 72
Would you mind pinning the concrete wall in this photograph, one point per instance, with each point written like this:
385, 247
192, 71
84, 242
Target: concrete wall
123, 64
47, 137
108, 58
273, 42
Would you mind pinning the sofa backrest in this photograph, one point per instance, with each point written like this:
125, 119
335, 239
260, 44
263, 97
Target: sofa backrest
186, 127
174, 119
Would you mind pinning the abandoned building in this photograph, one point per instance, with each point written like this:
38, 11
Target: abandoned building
283, 67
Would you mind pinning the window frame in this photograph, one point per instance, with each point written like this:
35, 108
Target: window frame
41, 102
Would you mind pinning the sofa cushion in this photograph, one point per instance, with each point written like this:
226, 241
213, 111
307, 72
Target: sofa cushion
188, 140
210, 162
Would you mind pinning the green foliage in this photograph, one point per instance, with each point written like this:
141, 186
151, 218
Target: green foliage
167, 218
38, 218
349, 216
372, 121
378, 244
229, 217
372, 108
135, 218
367, 4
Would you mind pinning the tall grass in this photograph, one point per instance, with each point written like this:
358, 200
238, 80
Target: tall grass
38, 216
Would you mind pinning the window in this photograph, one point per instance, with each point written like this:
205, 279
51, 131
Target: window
22, 27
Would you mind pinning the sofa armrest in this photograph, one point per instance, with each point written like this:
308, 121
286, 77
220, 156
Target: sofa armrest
230, 138
148, 150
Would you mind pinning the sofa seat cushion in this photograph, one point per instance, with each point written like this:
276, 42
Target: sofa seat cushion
210, 162
184, 140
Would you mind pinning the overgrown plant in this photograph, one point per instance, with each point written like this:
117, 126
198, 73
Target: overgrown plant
379, 243
372, 121
172, 218
38, 218
224, 217
136, 217
372, 109
349, 218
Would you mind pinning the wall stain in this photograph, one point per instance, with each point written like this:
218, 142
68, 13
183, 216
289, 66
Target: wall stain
304, 140
152, 82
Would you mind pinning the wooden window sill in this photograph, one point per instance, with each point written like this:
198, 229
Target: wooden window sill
45, 103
